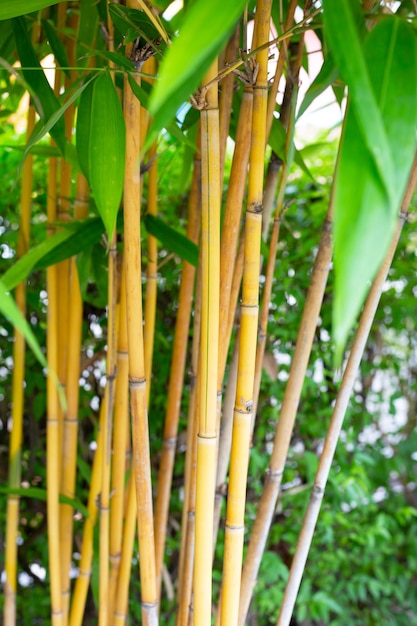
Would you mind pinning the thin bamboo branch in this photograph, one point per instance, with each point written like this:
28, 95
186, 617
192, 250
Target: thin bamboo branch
207, 432
339, 411
15, 445
287, 416
272, 100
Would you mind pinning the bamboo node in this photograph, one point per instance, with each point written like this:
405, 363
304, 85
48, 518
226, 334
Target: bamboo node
136, 381
221, 490
317, 492
198, 99
255, 207
274, 474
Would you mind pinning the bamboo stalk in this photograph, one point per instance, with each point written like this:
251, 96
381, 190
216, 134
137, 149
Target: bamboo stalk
286, 420
233, 549
137, 378
339, 411
104, 541
179, 352
15, 446
186, 560
120, 439
70, 431
207, 435
84, 570
53, 425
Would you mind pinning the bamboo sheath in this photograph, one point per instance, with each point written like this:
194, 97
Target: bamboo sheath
177, 369
137, 379
207, 434
84, 570
339, 411
239, 459
286, 420
15, 446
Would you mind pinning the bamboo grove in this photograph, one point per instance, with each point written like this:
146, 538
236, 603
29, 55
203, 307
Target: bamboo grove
125, 77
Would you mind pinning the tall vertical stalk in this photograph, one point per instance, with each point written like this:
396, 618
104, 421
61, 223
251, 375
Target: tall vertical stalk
137, 379
175, 386
15, 445
207, 431
233, 550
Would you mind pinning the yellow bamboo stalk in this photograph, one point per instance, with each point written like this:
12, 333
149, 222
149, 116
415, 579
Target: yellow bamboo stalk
70, 427
53, 423
207, 432
15, 446
186, 561
287, 416
87, 548
339, 411
137, 377
120, 442
233, 550
175, 385
122, 591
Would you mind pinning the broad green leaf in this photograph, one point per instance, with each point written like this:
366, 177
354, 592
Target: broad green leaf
205, 28
70, 240
365, 217
106, 150
57, 46
41, 494
35, 77
343, 37
10, 310
15, 8
175, 242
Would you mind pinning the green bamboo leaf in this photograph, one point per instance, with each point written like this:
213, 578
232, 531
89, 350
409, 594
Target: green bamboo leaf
87, 30
205, 28
37, 493
15, 8
365, 217
82, 132
57, 46
42, 128
10, 310
46, 101
72, 239
326, 77
343, 37
106, 150
175, 242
